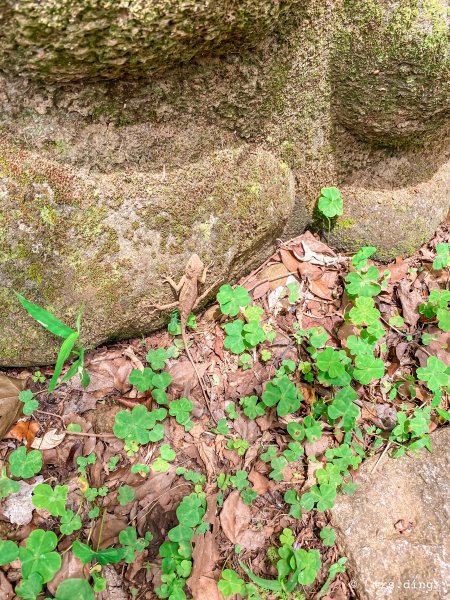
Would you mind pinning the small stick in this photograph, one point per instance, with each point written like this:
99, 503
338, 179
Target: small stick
388, 445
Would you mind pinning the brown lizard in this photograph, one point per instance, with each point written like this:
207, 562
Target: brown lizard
188, 300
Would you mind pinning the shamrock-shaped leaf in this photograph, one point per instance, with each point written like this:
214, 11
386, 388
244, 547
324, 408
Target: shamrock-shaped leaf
23, 464
318, 337
442, 259
283, 393
311, 563
162, 380
7, 486
239, 480
368, 368
181, 409
231, 300
70, 522
330, 202
359, 260
142, 379
435, 374
287, 538
157, 359
167, 453
359, 346
38, 555
9, 551
234, 340
52, 499
293, 452
222, 427
328, 536
364, 311
252, 408
248, 495
253, 334
343, 406
132, 544
230, 584
191, 510
363, 283
74, 589
105, 557
332, 361
443, 317
135, 425
322, 496
253, 313
125, 495
29, 403
31, 587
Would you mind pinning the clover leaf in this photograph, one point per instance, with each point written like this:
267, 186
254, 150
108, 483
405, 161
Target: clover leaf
248, 495
342, 406
318, 337
442, 259
239, 480
157, 358
253, 334
125, 495
29, 403
436, 374
53, 500
38, 555
139, 425
322, 496
364, 311
283, 393
368, 368
74, 589
363, 283
70, 522
142, 379
293, 452
252, 408
132, 544
181, 409
231, 300
230, 584
105, 557
330, 202
234, 340
291, 497
191, 510
311, 563
31, 587
7, 486
23, 464
359, 260
9, 551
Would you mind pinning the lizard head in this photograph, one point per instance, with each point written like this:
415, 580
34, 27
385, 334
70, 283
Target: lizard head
194, 265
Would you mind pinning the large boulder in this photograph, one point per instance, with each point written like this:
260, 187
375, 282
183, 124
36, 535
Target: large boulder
150, 129
395, 530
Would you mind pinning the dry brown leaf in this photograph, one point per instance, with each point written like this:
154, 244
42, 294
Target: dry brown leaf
10, 405
410, 300
235, 517
17, 508
309, 271
71, 568
205, 555
439, 347
288, 259
320, 288
260, 483
398, 269
6, 590
260, 290
274, 271
318, 447
51, 439
114, 585
24, 430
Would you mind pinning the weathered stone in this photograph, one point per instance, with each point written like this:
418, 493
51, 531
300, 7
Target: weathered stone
106, 240
395, 529
194, 91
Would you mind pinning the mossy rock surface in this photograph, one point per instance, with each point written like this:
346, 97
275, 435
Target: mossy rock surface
391, 68
106, 241
67, 40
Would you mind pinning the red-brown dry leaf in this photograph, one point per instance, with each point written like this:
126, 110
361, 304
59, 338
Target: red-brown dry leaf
439, 347
71, 568
313, 244
6, 590
288, 259
202, 581
309, 271
24, 430
10, 405
272, 272
109, 529
410, 300
260, 483
398, 269
235, 517
184, 376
